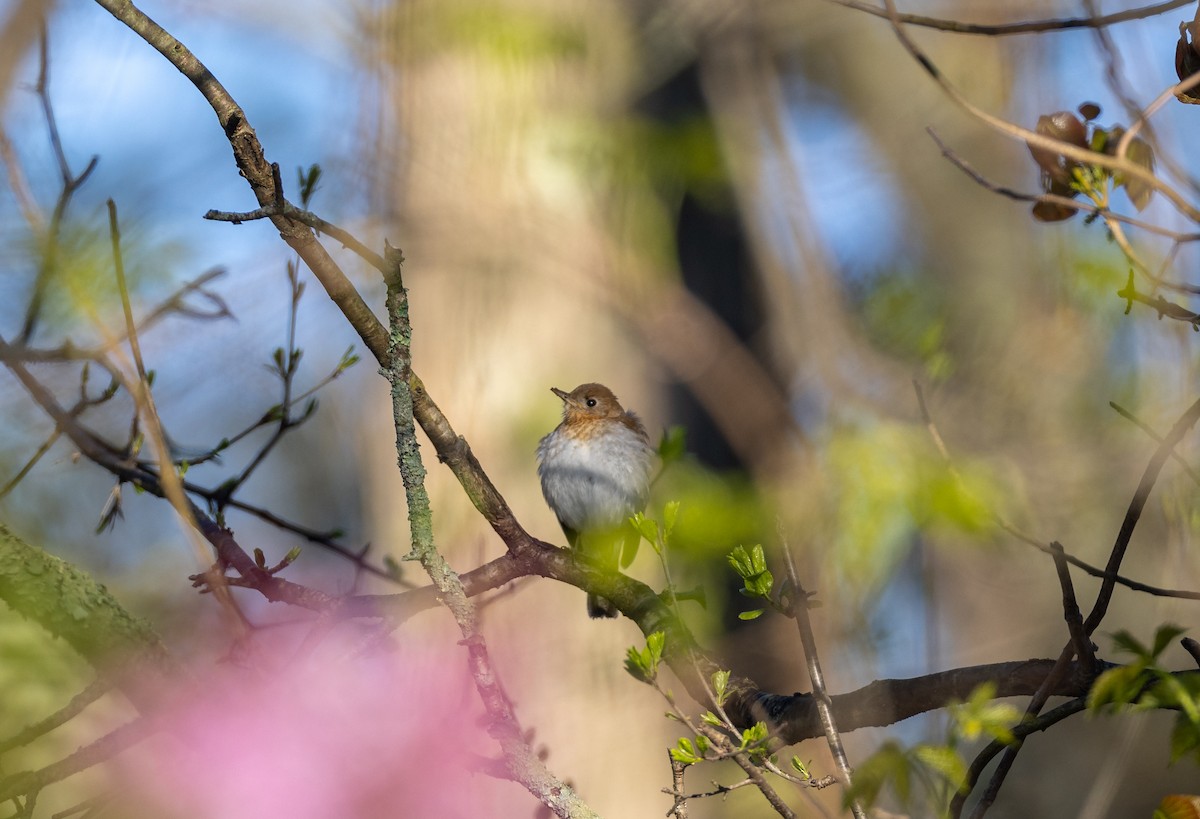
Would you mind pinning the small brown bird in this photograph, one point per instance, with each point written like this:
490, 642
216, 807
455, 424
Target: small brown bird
595, 472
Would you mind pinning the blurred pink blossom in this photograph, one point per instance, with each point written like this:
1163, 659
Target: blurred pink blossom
364, 737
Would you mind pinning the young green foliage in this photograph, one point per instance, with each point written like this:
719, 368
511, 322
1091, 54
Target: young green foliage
642, 664
751, 565
1143, 685
940, 769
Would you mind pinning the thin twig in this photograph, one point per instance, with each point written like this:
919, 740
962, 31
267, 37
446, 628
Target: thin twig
1129, 170
1024, 27
171, 483
1134, 512
753, 773
287, 209
1071, 613
1103, 597
808, 642
29, 464
1053, 199
104, 748
1146, 428
70, 184
94, 691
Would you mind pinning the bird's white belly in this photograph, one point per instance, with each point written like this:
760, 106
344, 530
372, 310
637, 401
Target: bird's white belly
596, 483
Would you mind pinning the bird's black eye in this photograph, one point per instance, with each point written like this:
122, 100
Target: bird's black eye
591, 402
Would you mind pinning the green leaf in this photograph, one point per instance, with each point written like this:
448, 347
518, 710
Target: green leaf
670, 513
646, 527
349, 359
308, 183
888, 765
684, 752
800, 768
642, 664
637, 664
711, 719
758, 560
1173, 692
739, 560
750, 615
655, 643
1126, 642
720, 684
673, 445
980, 715
945, 761
1117, 686
761, 584
1185, 740
1164, 636
754, 735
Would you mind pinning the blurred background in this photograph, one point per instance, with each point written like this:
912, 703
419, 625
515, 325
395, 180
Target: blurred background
733, 215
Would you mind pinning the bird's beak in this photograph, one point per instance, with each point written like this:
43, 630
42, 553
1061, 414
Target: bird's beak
560, 393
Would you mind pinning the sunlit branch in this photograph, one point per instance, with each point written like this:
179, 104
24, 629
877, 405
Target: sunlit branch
1023, 27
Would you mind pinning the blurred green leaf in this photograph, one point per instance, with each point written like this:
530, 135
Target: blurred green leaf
1117, 686
1185, 740
646, 527
887, 766
980, 716
670, 513
673, 445
945, 761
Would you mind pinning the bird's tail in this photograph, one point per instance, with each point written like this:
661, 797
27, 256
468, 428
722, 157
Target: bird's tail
599, 607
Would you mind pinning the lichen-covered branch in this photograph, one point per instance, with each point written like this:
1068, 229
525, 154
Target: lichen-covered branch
69, 604
522, 762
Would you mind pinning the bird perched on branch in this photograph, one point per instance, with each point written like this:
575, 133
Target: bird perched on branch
595, 472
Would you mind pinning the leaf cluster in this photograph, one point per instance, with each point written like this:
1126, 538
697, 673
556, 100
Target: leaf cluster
1144, 685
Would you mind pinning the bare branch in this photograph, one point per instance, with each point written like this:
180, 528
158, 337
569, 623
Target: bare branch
1079, 640
1025, 27
798, 605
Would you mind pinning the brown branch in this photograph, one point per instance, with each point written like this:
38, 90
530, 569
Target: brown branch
1146, 428
679, 808
1129, 170
798, 605
285, 208
105, 748
1080, 641
1051, 717
94, 691
1134, 512
1063, 201
1024, 27
1191, 647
